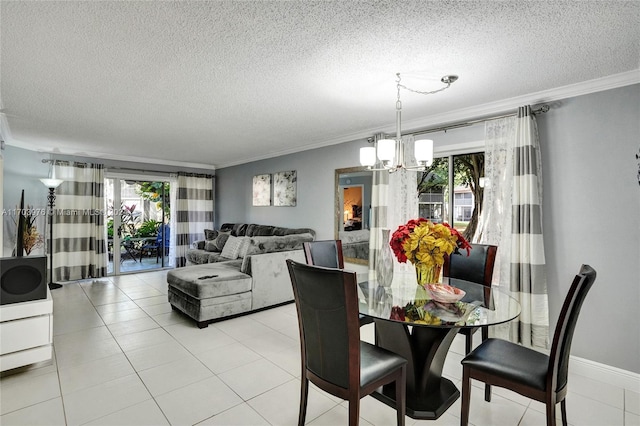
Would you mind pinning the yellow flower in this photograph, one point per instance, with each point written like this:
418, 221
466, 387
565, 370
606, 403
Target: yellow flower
428, 244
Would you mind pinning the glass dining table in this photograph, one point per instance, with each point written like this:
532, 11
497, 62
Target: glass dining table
409, 322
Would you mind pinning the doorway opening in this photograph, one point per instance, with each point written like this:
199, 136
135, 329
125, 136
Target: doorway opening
137, 222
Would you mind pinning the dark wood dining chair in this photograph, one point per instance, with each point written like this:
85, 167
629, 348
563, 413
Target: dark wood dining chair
333, 357
477, 268
328, 253
526, 371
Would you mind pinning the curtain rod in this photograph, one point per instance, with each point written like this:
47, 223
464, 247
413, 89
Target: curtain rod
541, 110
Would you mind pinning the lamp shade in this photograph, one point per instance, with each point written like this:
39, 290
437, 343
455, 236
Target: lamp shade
51, 183
424, 150
368, 156
386, 149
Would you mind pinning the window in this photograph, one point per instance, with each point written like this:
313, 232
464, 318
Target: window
462, 173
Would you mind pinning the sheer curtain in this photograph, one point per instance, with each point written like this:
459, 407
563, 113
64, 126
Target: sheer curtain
79, 246
512, 219
194, 204
394, 200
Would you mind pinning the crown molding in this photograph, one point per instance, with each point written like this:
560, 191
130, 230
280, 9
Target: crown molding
103, 156
476, 112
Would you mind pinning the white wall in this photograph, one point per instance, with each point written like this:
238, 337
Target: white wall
591, 209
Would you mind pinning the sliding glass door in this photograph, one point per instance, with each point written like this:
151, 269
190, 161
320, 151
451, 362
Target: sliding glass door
138, 224
451, 191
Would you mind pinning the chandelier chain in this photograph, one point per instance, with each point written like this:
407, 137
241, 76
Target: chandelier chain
419, 91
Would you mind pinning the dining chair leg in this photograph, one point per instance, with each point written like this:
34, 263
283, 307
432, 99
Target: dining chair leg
468, 343
304, 393
401, 396
563, 410
551, 414
487, 392
466, 397
354, 411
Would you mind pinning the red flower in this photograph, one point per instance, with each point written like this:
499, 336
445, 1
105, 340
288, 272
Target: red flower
462, 242
397, 313
400, 235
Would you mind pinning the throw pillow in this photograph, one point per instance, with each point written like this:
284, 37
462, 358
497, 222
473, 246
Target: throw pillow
232, 248
221, 240
210, 234
211, 246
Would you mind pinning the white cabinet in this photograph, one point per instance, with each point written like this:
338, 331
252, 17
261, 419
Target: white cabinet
26, 332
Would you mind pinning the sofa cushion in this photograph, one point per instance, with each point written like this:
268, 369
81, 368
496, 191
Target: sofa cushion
273, 244
205, 281
290, 231
254, 230
233, 247
210, 246
210, 234
221, 240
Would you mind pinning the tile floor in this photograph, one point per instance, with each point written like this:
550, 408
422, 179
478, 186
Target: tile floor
122, 357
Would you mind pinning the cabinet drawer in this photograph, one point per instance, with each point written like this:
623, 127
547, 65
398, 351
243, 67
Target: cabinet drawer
25, 333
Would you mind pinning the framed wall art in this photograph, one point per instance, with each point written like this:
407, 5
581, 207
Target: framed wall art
262, 190
284, 188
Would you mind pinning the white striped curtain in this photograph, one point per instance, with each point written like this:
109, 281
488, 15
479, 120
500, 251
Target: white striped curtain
194, 204
394, 201
79, 244
512, 219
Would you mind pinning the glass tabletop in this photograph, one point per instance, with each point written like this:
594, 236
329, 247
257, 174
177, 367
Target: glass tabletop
407, 302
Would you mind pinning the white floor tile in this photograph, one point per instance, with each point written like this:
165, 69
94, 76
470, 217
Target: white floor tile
123, 315
18, 391
155, 355
146, 413
98, 401
631, 419
67, 356
196, 402
48, 413
227, 358
271, 342
167, 377
338, 415
280, 405
133, 326
255, 378
150, 301
499, 411
632, 402
603, 392
172, 317
81, 376
585, 411
143, 339
240, 415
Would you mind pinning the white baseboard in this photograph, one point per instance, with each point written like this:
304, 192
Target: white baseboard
605, 373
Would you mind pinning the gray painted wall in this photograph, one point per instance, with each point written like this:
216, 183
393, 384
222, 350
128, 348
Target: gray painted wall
591, 209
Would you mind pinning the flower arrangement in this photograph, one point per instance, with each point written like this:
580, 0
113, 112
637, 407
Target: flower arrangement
425, 244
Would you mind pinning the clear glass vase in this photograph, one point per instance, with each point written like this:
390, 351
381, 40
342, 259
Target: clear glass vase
384, 261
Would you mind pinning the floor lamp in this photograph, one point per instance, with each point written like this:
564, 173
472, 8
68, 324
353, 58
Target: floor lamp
51, 183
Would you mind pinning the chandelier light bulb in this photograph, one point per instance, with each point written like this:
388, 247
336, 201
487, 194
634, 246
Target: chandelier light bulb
368, 156
424, 151
386, 149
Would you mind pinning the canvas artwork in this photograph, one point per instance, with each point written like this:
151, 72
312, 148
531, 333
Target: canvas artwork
284, 188
262, 190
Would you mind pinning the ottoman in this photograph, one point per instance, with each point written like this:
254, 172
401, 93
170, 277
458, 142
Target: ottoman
207, 292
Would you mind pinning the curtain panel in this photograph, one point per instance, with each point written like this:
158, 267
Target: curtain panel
79, 236
394, 200
194, 201
512, 219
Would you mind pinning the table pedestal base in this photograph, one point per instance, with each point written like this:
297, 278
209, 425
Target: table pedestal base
425, 349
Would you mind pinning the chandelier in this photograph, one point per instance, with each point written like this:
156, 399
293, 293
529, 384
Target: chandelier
390, 152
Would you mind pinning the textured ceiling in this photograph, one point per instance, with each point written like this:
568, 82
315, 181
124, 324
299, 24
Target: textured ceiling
221, 83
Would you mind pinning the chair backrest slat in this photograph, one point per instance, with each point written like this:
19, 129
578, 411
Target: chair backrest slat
563, 335
477, 267
327, 305
327, 253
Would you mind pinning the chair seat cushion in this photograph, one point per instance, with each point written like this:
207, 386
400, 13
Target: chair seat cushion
510, 361
376, 362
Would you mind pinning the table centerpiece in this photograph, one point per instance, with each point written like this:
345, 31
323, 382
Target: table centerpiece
425, 244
